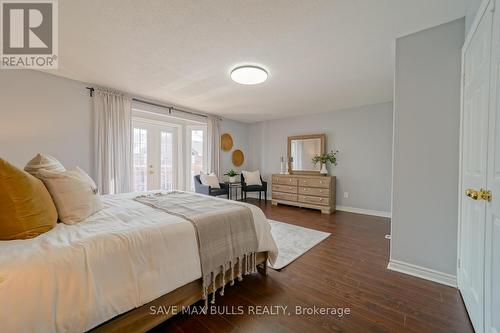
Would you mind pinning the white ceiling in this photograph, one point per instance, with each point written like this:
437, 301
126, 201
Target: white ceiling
321, 55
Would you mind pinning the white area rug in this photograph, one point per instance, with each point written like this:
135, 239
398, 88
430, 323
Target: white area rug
293, 241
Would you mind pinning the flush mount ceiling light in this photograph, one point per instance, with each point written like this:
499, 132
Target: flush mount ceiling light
249, 75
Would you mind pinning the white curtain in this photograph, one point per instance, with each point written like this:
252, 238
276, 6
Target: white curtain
213, 145
112, 128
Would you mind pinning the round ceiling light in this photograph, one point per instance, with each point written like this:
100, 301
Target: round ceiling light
249, 75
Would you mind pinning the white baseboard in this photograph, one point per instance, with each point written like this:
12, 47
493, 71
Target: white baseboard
422, 272
363, 211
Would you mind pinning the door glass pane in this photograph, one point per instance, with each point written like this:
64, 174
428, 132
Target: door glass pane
167, 161
196, 154
140, 159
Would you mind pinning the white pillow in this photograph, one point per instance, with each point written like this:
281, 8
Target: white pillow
210, 180
45, 162
74, 194
252, 177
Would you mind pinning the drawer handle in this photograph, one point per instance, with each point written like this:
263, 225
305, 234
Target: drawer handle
289, 187
320, 199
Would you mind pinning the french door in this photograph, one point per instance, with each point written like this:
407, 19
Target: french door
155, 156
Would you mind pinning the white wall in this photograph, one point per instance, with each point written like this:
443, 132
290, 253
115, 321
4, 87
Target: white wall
364, 137
240, 134
426, 147
471, 11
40, 112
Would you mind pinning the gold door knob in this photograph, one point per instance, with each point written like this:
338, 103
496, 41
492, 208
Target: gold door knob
473, 194
485, 194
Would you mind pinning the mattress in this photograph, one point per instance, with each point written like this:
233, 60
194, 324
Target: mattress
76, 277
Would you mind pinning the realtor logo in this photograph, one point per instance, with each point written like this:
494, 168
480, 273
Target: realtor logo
29, 34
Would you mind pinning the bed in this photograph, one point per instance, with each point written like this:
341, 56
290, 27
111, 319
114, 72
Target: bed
105, 271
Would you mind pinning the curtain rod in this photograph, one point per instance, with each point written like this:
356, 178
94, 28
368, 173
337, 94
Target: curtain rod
169, 108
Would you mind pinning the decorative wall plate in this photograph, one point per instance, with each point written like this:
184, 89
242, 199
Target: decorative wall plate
238, 157
226, 142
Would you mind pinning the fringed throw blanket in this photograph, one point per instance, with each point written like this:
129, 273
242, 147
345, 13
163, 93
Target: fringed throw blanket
225, 232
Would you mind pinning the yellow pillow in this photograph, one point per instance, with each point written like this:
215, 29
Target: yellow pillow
26, 208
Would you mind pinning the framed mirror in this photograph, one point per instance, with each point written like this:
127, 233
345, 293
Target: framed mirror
301, 150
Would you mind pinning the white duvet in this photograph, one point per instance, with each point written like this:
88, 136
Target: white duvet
76, 277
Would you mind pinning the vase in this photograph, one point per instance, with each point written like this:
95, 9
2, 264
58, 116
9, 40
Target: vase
232, 179
323, 170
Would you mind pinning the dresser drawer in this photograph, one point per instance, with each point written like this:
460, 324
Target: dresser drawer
314, 200
320, 192
284, 188
284, 180
315, 182
284, 196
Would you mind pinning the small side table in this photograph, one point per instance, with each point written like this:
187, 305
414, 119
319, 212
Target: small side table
233, 186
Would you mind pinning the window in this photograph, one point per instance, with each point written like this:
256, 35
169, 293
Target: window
140, 157
167, 161
197, 144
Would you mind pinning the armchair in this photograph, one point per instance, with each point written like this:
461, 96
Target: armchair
254, 188
207, 190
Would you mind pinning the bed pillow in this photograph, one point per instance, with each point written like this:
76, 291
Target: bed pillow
252, 177
74, 193
45, 162
26, 208
210, 180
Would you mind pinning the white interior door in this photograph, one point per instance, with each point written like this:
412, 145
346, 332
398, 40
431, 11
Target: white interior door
474, 167
492, 244
155, 156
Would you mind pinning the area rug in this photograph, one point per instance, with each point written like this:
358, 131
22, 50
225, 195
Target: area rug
293, 241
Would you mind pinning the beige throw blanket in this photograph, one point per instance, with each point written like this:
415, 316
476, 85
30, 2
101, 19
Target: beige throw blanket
225, 232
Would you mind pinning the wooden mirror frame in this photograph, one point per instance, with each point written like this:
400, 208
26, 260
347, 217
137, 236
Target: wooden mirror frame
322, 137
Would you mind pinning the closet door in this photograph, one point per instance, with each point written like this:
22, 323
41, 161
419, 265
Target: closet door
492, 245
476, 94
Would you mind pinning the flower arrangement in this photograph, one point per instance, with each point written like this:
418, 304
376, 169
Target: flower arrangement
331, 157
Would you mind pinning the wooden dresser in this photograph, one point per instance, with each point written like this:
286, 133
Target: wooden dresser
317, 192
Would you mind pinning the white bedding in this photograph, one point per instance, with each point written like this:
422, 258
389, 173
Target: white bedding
73, 278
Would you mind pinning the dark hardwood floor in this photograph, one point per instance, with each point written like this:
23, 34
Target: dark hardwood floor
346, 270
